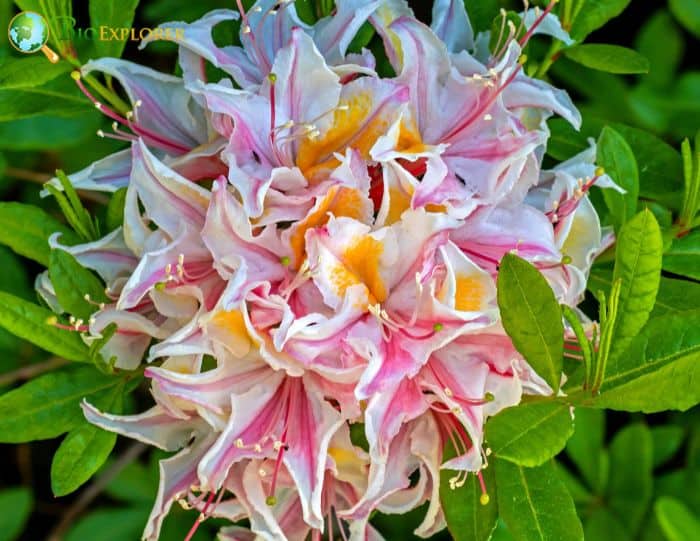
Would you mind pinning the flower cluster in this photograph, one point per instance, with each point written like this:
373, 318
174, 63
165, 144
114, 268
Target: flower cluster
309, 253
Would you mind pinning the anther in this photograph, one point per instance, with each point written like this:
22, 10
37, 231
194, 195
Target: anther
271, 501
599, 171
100, 133
239, 443
487, 116
285, 260
438, 327
75, 74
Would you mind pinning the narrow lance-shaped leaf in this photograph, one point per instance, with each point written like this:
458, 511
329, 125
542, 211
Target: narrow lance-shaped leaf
32, 323
638, 265
83, 451
531, 317
26, 230
49, 405
72, 282
530, 434
535, 504
678, 523
616, 157
609, 58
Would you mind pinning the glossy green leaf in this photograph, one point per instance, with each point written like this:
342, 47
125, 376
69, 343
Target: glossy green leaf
658, 372
113, 15
30, 322
115, 209
638, 265
52, 98
687, 12
585, 447
684, 256
135, 483
17, 506
48, 132
608, 58
49, 405
630, 485
663, 61
83, 451
467, 519
666, 440
535, 504
29, 71
531, 433
677, 521
602, 525
110, 525
592, 14
531, 317
616, 157
26, 230
579, 493
71, 282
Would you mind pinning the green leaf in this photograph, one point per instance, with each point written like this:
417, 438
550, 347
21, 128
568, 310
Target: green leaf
17, 505
112, 15
663, 61
53, 98
29, 71
531, 317
608, 58
688, 14
677, 521
72, 282
684, 256
49, 405
48, 132
630, 486
482, 13
30, 322
616, 157
531, 433
579, 493
602, 525
638, 265
467, 519
666, 439
585, 447
674, 296
362, 38
135, 483
83, 451
535, 504
115, 209
110, 525
26, 230
658, 372
592, 14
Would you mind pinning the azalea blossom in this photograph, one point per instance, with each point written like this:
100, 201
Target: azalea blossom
331, 240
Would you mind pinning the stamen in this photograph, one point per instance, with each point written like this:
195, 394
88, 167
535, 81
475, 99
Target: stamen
484, 499
537, 22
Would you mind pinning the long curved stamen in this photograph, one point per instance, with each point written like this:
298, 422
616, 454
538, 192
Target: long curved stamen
484, 499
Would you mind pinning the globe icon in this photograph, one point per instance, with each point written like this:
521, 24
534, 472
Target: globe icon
28, 32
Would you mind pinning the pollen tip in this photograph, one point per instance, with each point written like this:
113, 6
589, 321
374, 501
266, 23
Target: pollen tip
159, 286
488, 397
51, 320
75, 74
272, 77
438, 326
566, 260
271, 501
599, 171
484, 499
285, 260
522, 59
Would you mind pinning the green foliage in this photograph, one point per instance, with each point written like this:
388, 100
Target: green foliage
592, 14
115, 209
535, 504
530, 434
26, 230
467, 516
683, 257
33, 324
677, 521
83, 451
73, 209
638, 266
531, 317
72, 282
617, 158
17, 503
609, 58
687, 12
48, 406
112, 15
